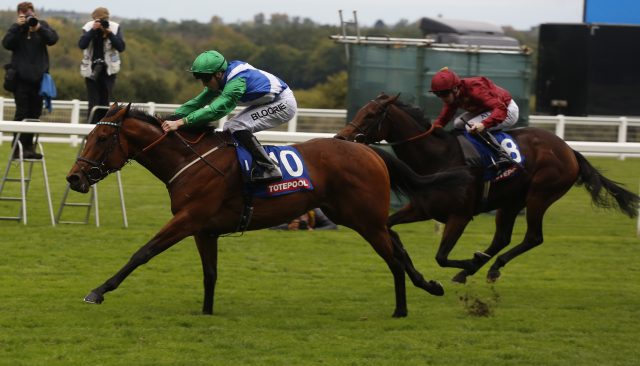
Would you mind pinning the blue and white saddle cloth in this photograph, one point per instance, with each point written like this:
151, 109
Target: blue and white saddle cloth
295, 176
477, 153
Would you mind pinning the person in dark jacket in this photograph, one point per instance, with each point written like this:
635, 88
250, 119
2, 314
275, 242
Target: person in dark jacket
27, 39
101, 43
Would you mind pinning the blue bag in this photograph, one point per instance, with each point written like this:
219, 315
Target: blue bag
48, 90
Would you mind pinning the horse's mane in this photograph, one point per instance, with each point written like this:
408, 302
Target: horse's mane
137, 113
417, 114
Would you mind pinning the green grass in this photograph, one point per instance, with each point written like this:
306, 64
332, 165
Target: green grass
312, 298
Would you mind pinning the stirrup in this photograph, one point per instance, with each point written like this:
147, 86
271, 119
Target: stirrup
268, 175
499, 161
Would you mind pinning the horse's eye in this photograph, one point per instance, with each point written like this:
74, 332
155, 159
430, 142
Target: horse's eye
102, 138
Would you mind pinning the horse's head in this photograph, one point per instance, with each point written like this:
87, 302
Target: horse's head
369, 125
104, 151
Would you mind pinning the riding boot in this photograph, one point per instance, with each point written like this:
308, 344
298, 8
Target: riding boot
501, 155
267, 171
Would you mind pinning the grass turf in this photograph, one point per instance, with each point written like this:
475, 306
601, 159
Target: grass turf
313, 298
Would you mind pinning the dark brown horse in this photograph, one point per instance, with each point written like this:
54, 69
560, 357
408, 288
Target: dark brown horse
551, 169
352, 186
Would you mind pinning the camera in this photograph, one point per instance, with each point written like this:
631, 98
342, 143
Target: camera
32, 20
104, 23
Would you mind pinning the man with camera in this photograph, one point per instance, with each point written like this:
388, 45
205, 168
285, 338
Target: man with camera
101, 42
27, 39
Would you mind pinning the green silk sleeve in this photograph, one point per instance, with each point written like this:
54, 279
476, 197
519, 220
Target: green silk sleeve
198, 102
224, 104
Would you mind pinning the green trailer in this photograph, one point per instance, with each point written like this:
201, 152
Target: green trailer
406, 65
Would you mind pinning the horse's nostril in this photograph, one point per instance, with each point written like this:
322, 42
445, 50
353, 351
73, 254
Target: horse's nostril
73, 178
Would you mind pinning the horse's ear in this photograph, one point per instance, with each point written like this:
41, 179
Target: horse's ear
127, 108
394, 98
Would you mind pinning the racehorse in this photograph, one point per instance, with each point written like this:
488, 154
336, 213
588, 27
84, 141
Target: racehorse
551, 168
351, 185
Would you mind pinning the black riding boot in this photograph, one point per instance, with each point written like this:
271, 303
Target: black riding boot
269, 172
500, 154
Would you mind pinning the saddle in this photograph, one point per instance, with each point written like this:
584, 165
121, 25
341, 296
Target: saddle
478, 154
295, 176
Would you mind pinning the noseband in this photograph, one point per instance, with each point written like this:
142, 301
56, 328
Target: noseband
99, 170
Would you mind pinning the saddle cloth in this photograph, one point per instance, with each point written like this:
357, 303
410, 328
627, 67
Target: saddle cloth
478, 154
295, 176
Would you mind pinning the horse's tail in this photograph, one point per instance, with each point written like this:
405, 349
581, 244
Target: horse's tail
618, 197
407, 182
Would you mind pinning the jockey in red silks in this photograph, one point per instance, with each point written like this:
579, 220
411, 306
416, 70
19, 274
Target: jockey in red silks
488, 107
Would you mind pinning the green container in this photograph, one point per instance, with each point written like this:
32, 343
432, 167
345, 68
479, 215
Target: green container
406, 66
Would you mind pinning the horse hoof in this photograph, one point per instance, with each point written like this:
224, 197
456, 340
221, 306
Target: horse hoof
400, 313
461, 277
435, 288
492, 276
94, 298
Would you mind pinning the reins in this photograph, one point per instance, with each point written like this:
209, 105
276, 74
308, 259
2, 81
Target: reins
413, 138
164, 135
385, 116
201, 157
188, 144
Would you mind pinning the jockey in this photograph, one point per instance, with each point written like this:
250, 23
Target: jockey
488, 106
270, 102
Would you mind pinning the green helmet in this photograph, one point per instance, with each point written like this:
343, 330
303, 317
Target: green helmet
209, 62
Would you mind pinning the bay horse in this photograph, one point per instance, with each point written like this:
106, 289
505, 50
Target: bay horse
203, 178
551, 169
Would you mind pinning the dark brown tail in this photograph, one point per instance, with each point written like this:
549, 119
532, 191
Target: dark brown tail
617, 197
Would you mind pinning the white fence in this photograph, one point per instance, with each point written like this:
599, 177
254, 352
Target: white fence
606, 136
72, 128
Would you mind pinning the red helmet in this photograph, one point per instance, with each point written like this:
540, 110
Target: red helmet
444, 79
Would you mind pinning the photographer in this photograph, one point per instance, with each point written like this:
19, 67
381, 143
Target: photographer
101, 42
27, 39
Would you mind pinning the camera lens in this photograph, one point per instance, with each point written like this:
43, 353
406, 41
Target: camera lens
32, 21
104, 23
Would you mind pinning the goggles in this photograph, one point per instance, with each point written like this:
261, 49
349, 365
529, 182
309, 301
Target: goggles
442, 93
206, 77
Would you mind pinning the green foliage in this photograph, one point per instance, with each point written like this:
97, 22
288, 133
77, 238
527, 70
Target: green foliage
310, 298
331, 94
157, 54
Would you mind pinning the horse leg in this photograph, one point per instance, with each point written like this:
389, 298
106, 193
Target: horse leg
171, 233
378, 237
207, 244
453, 229
364, 222
505, 220
431, 286
532, 238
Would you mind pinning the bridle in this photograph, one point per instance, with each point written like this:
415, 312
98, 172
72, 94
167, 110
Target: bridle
363, 134
98, 170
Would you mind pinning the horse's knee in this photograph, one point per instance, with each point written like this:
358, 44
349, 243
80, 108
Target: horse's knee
442, 260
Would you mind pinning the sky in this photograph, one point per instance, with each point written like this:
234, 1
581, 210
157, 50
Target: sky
520, 14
